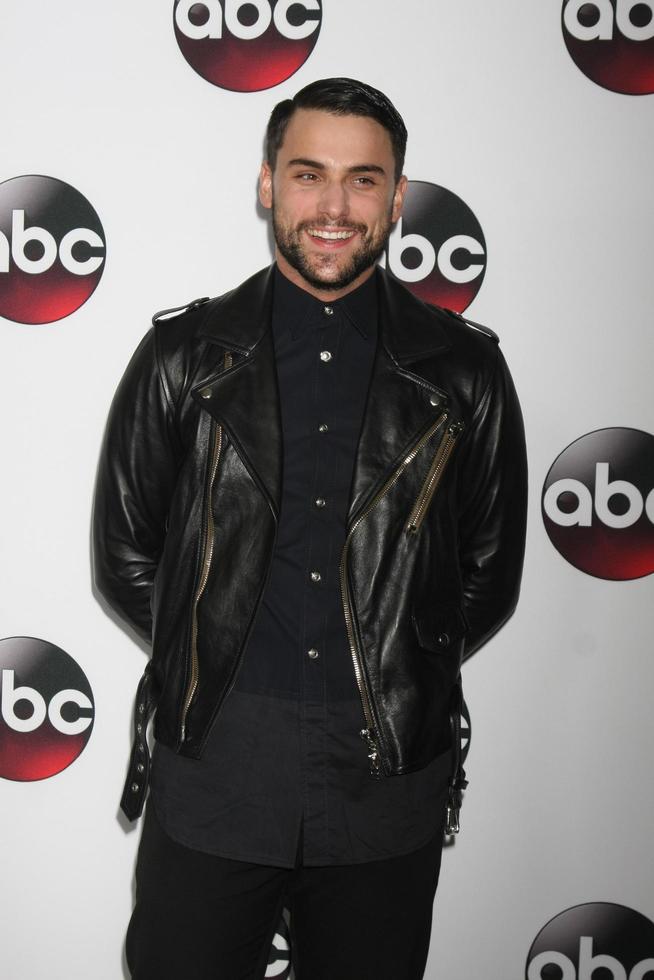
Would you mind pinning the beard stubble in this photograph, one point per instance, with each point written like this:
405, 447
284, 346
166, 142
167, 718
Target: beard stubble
289, 243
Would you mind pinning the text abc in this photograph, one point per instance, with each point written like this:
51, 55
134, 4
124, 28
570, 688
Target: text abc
12, 695
587, 964
582, 515
603, 29
21, 236
399, 243
213, 27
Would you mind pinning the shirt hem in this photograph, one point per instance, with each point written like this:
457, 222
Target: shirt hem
251, 857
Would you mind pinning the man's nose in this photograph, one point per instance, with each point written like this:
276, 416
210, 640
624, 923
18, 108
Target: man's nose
334, 201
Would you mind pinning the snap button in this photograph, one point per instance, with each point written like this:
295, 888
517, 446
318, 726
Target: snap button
206, 392
434, 400
313, 653
443, 640
315, 576
325, 355
134, 787
329, 310
319, 501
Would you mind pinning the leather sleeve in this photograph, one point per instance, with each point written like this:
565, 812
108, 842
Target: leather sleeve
493, 511
135, 481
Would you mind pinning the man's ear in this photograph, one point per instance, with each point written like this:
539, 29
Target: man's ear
398, 198
265, 185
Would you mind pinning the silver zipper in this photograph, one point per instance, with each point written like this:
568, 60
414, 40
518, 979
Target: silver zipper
434, 476
207, 556
369, 734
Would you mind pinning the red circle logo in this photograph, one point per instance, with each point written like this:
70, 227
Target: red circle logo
437, 248
247, 46
598, 503
46, 709
52, 249
612, 42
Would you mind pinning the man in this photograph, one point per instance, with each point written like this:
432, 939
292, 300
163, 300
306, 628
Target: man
311, 498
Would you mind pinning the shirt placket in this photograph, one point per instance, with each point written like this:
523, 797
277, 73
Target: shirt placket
314, 651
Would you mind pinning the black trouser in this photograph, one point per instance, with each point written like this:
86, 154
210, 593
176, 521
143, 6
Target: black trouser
201, 917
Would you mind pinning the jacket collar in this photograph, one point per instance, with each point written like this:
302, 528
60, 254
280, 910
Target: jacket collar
410, 329
238, 319
245, 398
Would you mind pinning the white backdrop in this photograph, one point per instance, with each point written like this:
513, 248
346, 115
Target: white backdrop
559, 172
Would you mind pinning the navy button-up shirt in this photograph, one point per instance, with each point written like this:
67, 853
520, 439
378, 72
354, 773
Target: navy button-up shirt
285, 767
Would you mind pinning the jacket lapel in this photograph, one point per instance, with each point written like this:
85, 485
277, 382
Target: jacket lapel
401, 403
245, 398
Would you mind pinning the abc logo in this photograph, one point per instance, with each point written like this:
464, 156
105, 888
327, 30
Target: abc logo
437, 247
598, 503
247, 45
52, 249
279, 960
612, 42
46, 709
592, 941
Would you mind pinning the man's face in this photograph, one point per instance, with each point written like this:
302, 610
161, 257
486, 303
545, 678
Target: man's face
334, 198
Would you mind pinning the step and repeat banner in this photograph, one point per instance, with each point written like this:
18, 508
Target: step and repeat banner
131, 140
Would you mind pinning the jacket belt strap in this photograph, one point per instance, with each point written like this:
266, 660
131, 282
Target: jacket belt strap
458, 781
138, 773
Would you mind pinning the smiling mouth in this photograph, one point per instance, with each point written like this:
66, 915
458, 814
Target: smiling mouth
331, 236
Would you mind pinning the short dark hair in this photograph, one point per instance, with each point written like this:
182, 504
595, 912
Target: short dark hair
341, 97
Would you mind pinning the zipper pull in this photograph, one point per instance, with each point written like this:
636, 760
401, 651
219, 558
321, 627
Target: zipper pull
452, 821
454, 801
367, 735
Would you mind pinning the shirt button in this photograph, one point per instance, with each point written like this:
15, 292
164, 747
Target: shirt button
325, 355
329, 310
313, 653
319, 501
323, 428
315, 576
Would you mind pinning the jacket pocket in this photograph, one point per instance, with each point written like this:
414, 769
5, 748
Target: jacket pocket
440, 628
434, 476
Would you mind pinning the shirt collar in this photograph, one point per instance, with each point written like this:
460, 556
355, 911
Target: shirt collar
297, 309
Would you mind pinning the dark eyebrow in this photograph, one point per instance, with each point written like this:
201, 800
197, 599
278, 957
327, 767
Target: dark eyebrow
359, 168
367, 168
303, 162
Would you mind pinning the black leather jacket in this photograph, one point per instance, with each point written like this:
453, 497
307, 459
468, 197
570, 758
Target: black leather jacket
188, 495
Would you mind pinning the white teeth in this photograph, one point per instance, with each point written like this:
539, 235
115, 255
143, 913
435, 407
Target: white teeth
332, 235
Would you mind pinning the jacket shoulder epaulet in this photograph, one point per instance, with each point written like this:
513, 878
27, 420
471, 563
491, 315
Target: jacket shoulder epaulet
175, 310
476, 326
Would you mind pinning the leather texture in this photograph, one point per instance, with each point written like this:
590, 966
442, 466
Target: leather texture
421, 601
